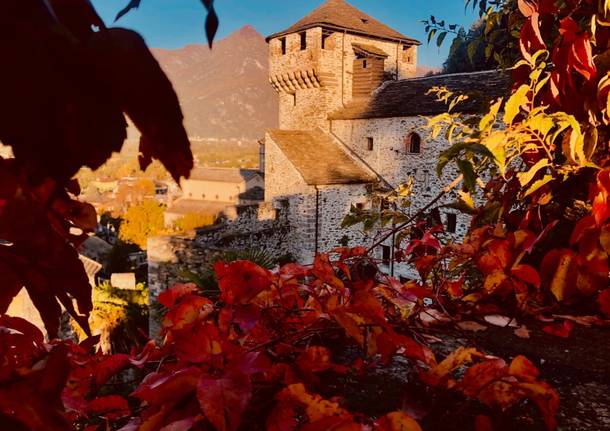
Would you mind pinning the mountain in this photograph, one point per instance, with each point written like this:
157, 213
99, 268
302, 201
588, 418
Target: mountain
224, 92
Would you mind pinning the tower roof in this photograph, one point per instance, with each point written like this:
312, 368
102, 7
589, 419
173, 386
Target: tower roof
340, 15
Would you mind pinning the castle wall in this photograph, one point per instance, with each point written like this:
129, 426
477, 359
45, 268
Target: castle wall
255, 227
391, 158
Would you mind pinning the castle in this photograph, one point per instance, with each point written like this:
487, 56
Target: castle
351, 126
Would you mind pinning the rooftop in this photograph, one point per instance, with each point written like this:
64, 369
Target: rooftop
224, 175
409, 98
340, 15
193, 206
319, 160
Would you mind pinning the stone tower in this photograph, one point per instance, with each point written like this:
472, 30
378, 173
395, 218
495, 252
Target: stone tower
334, 55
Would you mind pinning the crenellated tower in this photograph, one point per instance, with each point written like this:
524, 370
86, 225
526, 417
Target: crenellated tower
334, 55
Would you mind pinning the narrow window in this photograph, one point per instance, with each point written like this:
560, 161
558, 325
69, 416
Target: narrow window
203, 196
370, 143
451, 223
283, 42
364, 64
324, 37
303, 40
386, 253
294, 99
414, 143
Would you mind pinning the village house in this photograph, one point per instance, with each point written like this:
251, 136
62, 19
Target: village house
216, 192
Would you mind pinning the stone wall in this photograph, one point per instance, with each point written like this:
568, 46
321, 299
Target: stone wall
391, 157
258, 227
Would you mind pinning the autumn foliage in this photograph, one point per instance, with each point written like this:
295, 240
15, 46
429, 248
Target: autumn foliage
261, 356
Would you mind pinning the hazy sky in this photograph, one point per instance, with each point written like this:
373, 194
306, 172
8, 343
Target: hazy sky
175, 23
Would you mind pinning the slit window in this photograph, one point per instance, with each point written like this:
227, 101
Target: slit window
324, 37
451, 223
414, 143
283, 44
370, 143
386, 254
303, 36
364, 64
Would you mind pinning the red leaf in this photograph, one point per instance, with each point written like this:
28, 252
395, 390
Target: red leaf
604, 302
169, 297
527, 274
160, 388
483, 423
225, 400
241, 281
112, 406
562, 330
315, 359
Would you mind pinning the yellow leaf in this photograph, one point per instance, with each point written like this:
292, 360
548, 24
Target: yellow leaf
514, 104
560, 285
537, 184
494, 280
526, 177
489, 119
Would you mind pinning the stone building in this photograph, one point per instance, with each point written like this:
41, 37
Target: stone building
216, 191
351, 127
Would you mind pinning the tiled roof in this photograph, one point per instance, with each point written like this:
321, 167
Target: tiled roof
223, 175
193, 206
408, 97
370, 50
319, 160
340, 15
253, 194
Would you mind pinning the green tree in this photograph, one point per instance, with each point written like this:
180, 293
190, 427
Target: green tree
142, 221
465, 56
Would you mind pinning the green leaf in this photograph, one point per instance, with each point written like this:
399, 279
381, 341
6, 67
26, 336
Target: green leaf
431, 34
513, 105
441, 38
470, 177
472, 49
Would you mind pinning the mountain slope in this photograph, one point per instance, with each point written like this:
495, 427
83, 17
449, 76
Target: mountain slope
225, 92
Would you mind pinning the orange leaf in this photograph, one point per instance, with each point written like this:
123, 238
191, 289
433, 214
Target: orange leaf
527, 274
397, 421
440, 372
523, 368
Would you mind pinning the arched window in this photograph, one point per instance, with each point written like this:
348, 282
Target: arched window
413, 143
